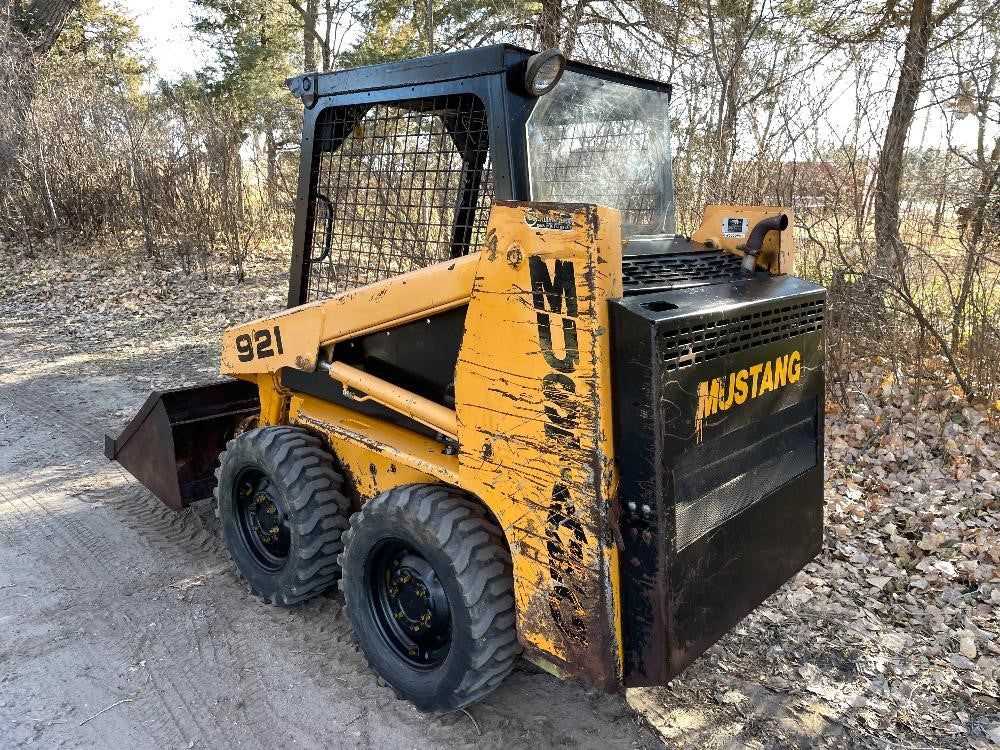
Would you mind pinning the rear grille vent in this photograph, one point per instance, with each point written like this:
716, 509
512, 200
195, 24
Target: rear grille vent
694, 344
715, 484
651, 273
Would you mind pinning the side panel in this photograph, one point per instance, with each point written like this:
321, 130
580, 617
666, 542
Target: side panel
293, 337
533, 397
728, 228
375, 454
719, 440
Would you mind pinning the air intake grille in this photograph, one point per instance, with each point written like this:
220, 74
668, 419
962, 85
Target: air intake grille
651, 273
713, 486
694, 344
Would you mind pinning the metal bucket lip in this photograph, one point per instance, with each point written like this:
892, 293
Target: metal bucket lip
113, 445
173, 442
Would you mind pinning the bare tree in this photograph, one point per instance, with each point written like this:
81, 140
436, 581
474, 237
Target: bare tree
27, 32
327, 29
923, 21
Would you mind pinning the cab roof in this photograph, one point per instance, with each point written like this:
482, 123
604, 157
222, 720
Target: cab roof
449, 66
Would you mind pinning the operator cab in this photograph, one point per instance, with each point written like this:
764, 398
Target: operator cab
401, 162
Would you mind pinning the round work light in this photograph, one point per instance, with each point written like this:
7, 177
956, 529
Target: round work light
543, 71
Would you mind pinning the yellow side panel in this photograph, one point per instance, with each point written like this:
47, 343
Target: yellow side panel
409, 296
533, 399
293, 338
290, 339
377, 455
722, 226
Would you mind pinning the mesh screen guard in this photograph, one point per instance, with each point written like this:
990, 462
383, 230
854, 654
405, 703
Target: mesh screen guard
396, 187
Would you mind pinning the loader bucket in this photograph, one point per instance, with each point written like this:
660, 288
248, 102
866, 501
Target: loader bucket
173, 444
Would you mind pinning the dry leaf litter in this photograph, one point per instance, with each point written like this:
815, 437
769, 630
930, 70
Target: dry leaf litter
890, 638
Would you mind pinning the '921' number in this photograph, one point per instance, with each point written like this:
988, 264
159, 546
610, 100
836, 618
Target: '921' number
258, 344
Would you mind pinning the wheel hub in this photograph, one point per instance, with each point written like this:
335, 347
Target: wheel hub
263, 524
410, 605
266, 518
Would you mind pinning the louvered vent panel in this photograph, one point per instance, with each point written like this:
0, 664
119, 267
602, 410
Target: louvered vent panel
701, 342
650, 273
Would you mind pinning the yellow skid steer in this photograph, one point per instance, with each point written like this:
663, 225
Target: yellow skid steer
508, 408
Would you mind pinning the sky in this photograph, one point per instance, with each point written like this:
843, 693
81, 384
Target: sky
163, 25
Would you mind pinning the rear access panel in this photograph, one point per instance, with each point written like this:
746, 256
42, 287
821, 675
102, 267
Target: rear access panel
719, 439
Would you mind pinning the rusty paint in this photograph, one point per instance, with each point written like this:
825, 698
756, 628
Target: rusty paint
534, 425
533, 410
306, 329
778, 252
399, 456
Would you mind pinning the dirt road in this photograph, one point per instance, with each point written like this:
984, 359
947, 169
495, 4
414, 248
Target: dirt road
110, 599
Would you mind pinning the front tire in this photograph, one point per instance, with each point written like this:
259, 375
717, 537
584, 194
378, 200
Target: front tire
429, 590
282, 512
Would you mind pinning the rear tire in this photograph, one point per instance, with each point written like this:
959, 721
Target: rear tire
429, 590
282, 512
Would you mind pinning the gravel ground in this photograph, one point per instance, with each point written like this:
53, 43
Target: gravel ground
891, 638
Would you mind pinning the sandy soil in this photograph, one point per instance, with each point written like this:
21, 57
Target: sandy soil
111, 602
110, 597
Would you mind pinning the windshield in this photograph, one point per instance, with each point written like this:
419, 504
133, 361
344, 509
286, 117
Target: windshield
597, 141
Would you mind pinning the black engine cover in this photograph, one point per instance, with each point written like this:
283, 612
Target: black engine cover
719, 440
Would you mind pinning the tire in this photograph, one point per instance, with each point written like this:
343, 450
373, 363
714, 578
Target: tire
286, 533
444, 544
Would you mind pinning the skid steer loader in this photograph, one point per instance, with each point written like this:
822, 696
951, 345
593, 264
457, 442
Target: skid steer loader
508, 408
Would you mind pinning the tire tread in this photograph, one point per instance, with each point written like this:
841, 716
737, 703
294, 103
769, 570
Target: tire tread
317, 509
474, 545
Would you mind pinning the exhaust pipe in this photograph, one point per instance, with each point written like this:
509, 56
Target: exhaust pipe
777, 223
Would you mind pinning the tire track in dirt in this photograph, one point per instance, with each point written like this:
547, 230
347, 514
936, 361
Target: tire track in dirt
177, 535
172, 532
68, 561
103, 567
182, 535
310, 646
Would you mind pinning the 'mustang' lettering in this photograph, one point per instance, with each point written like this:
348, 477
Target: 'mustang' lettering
724, 393
554, 295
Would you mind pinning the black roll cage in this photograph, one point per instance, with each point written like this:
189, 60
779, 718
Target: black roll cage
493, 74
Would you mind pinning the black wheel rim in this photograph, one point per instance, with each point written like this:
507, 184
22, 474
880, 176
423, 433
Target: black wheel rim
262, 520
409, 604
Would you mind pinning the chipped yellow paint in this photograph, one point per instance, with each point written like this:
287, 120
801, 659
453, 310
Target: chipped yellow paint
290, 339
377, 455
778, 252
533, 409
273, 399
363, 386
533, 398
254, 347
401, 299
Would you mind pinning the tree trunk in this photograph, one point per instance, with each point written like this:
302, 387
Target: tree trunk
43, 172
988, 181
309, 34
327, 44
272, 166
41, 21
888, 245
430, 26
35, 28
549, 21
